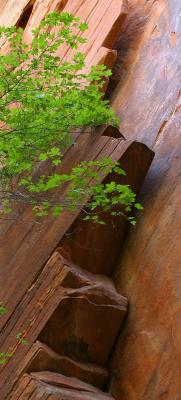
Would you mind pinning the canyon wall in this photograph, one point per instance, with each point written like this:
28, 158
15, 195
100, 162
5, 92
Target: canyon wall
61, 311
145, 93
147, 358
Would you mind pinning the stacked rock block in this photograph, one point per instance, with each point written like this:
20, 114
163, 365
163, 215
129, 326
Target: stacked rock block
55, 277
72, 313
83, 316
23, 241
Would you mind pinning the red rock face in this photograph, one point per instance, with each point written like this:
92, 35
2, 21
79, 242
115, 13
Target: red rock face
146, 361
97, 247
69, 309
80, 326
51, 386
145, 364
43, 358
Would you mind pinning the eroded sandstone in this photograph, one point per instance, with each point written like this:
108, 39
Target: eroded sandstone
146, 362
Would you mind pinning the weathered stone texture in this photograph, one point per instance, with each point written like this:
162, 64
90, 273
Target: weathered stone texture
68, 309
146, 363
43, 358
97, 247
52, 386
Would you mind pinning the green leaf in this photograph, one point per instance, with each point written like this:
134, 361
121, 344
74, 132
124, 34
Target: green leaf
56, 211
21, 338
3, 310
138, 206
83, 26
43, 157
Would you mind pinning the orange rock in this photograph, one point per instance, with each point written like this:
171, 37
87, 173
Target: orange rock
43, 358
79, 328
96, 247
56, 387
11, 11
69, 309
146, 361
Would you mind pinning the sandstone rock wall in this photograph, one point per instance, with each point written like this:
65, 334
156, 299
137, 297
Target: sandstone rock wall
69, 314
147, 359
145, 363
21, 235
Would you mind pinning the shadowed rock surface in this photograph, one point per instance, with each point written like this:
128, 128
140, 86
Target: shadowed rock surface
43, 358
50, 386
97, 247
69, 309
146, 361
80, 327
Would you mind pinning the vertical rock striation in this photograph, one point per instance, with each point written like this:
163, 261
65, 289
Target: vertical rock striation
146, 361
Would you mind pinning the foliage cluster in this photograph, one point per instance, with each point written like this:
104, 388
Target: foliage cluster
44, 99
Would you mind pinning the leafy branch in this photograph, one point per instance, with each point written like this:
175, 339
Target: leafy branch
43, 99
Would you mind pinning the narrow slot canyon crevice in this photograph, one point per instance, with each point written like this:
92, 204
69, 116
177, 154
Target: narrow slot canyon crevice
22, 22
